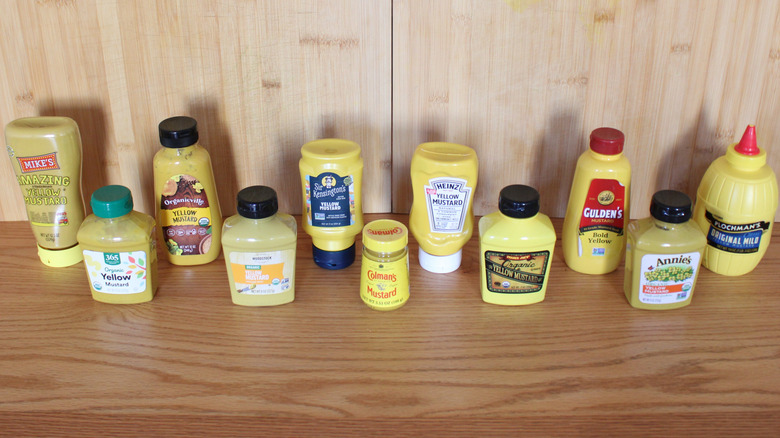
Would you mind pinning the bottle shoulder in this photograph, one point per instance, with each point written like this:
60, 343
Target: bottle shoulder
135, 227
499, 229
651, 235
277, 229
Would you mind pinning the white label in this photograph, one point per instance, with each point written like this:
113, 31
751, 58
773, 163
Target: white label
667, 278
262, 273
448, 202
119, 273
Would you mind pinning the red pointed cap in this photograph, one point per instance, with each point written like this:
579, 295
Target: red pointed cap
748, 146
606, 141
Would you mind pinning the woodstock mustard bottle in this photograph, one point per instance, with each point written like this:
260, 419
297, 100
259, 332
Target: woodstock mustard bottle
735, 206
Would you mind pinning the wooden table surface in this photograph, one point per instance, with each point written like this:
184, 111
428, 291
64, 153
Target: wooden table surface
583, 362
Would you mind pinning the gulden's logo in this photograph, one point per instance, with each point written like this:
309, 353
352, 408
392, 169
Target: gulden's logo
606, 197
38, 163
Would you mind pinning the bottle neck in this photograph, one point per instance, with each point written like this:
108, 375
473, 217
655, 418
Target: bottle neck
257, 221
604, 157
668, 226
386, 256
180, 151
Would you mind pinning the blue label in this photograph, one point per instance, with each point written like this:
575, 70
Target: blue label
330, 200
740, 243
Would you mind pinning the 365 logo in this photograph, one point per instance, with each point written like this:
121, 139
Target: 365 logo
111, 258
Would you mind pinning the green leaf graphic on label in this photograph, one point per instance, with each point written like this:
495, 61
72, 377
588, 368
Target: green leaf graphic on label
173, 247
348, 181
140, 262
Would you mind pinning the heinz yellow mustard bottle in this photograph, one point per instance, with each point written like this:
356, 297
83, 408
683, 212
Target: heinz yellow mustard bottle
736, 204
119, 247
598, 209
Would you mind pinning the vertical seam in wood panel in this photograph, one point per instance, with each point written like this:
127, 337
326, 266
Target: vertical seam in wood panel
392, 107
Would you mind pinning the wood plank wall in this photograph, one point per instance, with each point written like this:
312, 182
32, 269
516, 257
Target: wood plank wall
521, 81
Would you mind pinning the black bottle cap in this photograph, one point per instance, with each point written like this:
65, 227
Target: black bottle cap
257, 202
671, 206
518, 201
178, 132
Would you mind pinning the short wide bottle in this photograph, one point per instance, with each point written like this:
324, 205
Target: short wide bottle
119, 247
516, 247
259, 245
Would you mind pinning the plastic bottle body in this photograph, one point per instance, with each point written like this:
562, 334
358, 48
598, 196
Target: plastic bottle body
186, 205
384, 271
260, 259
598, 209
331, 181
444, 179
120, 257
515, 258
45, 154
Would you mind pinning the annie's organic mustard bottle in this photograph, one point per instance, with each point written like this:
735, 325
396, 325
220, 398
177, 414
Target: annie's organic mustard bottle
185, 195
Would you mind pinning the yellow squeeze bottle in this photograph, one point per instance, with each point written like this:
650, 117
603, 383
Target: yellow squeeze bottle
259, 246
444, 177
185, 195
516, 247
331, 177
598, 209
119, 247
735, 206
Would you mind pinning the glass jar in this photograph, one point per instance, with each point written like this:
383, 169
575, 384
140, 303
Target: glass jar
384, 275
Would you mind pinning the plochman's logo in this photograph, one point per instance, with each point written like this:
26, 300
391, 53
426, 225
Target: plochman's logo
38, 163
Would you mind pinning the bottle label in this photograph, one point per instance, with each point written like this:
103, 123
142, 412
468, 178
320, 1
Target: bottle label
602, 218
119, 273
262, 273
448, 202
384, 284
667, 278
735, 238
330, 200
515, 272
185, 216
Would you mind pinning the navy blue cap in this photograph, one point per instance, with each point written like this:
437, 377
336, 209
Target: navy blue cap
334, 259
671, 206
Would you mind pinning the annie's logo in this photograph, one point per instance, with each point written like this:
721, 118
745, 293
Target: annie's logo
38, 163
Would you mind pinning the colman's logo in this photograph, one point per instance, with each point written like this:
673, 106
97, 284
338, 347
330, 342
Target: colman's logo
38, 163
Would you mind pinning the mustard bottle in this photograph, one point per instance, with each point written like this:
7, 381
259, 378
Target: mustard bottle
735, 206
598, 210
185, 195
119, 247
444, 178
384, 271
516, 246
663, 254
259, 245
331, 177
45, 153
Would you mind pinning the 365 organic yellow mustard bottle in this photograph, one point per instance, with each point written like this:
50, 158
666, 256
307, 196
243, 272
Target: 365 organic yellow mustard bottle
119, 247
384, 273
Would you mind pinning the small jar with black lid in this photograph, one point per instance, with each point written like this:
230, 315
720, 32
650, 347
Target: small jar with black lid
516, 248
663, 254
259, 245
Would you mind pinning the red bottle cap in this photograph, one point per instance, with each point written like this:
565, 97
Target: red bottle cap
748, 146
606, 141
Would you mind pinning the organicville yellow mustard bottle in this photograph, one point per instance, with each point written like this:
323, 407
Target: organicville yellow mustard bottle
185, 195
119, 247
735, 206
516, 246
598, 210
259, 244
663, 254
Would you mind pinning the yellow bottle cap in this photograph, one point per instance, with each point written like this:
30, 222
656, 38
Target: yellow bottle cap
385, 235
60, 258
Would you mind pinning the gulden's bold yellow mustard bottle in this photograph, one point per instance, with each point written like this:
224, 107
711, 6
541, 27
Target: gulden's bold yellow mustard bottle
593, 228
735, 207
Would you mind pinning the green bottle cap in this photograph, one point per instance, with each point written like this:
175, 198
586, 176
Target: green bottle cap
111, 201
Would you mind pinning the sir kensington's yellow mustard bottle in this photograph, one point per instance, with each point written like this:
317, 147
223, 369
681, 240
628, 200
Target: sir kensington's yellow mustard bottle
593, 229
736, 205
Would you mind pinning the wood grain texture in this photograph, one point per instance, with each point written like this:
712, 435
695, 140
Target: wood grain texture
524, 83
583, 362
261, 78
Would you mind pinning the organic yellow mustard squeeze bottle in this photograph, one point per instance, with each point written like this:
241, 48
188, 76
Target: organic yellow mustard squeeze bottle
735, 206
45, 153
516, 246
185, 195
384, 272
259, 244
331, 177
593, 238
663, 254
444, 178
119, 247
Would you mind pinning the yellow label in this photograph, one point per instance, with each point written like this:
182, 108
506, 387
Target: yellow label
385, 285
261, 273
186, 217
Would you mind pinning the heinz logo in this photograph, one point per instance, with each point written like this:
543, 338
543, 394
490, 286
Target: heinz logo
111, 258
41, 162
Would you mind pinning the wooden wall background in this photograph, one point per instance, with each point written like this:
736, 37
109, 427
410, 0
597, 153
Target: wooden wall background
523, 82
